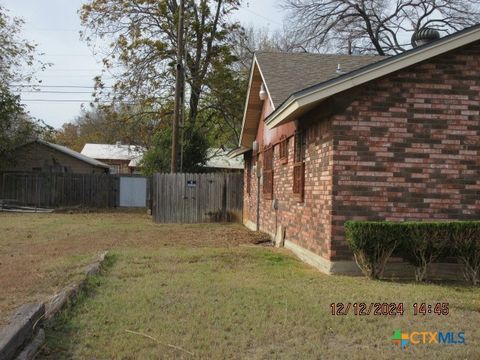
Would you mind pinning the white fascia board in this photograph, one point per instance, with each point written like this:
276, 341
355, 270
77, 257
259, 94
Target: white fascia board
246, 101
265, 84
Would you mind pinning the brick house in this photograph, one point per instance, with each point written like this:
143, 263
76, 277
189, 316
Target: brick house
328, 138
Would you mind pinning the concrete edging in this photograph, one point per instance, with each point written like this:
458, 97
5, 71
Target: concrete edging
22, 338
68, 293
21, 329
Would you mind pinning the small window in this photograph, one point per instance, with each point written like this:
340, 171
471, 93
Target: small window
283, 150
299, 165
268, 172
114, 169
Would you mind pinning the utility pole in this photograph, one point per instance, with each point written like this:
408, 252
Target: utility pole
179, 85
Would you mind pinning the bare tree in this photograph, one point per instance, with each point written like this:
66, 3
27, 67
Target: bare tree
253, 39
384, 27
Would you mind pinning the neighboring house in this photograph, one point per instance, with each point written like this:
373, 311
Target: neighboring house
122, 159
218, 159
42, 156
335, 138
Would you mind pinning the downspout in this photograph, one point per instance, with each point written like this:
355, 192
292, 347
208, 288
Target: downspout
259, 175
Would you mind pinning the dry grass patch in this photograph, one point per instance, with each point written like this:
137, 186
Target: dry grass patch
40, 253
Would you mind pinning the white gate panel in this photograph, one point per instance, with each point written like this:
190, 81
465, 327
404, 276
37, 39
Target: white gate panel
133, 192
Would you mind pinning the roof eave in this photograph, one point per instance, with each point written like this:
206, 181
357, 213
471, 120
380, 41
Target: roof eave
289, 110
238, 151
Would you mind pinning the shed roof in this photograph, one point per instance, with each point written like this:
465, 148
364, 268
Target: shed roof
287, 73
71, 153
218, 158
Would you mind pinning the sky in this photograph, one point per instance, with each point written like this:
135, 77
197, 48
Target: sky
67, 85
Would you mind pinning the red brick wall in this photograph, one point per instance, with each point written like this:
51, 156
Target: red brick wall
307, 223
405, 147
408, 147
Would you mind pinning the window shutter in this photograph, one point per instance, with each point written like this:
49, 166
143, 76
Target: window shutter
299, 165
268, 172
299, 180
284, 149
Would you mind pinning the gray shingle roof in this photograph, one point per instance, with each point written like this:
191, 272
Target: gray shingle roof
73, 153
287, 73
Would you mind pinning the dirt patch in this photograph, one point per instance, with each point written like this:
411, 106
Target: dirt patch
40, 253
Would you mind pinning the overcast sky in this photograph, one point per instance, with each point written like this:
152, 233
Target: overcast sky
54, 25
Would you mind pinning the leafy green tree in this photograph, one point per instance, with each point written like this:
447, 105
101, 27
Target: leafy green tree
157, 157
16, 127
107, 125
17, 63
142, 59
17, 55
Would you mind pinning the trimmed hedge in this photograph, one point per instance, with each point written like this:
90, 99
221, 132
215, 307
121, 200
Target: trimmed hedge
372, 244
423, 243
466, 237
419, 243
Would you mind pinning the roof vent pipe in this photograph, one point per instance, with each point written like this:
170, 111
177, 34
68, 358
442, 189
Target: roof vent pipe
424, 36
263, 93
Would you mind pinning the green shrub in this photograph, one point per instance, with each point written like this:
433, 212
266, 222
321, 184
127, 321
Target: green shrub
466, 240
418, 243
372, 244
424, 242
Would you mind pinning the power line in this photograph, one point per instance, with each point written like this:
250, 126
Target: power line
71, 69
41, 76
75, 101
58, 100
59, 86
54, 92
61, 55
59, 30
260, 15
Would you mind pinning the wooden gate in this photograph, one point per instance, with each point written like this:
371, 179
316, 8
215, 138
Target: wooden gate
197, 198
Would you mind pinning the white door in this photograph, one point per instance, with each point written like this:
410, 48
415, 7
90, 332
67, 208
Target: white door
133, 192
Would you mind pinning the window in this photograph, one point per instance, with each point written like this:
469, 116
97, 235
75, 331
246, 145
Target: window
299, 165
284, 150
114, 169
268, 172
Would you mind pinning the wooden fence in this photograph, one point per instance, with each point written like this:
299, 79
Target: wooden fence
60, 189
197, 198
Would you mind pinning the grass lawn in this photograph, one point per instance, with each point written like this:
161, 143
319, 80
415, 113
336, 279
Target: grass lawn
204, 292
41, 253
